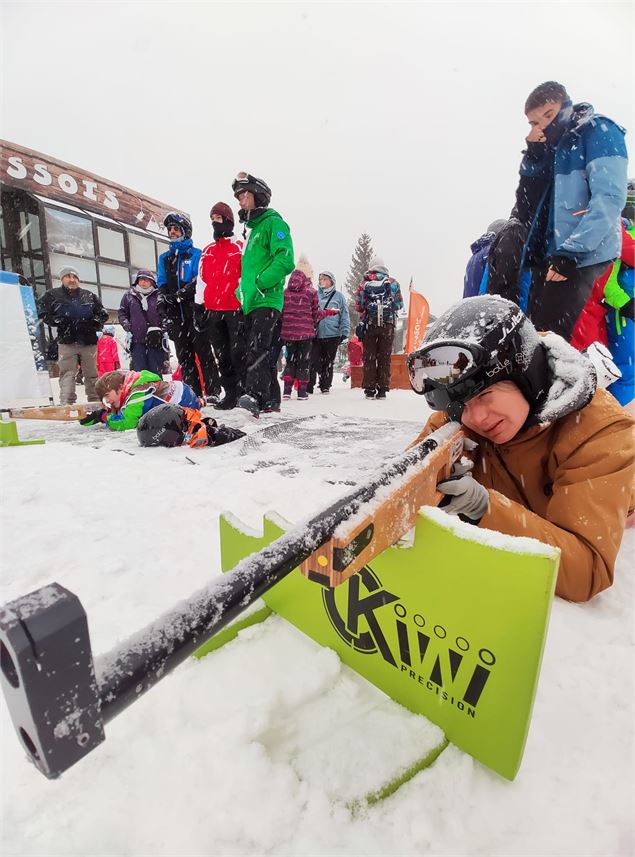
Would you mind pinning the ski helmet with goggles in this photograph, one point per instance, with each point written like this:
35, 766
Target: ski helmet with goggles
164, 425
473, 345
259, 188
180, 220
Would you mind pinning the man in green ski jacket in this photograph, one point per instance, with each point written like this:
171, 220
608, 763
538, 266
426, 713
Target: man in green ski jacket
267, 260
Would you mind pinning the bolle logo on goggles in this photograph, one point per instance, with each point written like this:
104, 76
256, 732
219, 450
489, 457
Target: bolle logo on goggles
500, 367
421, 653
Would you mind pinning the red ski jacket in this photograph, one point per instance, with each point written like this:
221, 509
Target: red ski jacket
107, 355
219, 274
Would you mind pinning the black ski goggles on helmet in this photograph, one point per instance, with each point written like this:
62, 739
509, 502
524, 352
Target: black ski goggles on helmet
448, 374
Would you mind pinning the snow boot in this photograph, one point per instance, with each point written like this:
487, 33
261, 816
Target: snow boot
288, 386
369, 392
302, 391
249, 404
381, 393
227, 403
271, 408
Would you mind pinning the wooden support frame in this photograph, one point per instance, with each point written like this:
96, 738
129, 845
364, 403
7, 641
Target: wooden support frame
357, 541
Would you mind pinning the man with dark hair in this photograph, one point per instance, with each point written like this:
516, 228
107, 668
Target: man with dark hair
571, 192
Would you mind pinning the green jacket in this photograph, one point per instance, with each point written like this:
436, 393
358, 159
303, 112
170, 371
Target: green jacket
267, 260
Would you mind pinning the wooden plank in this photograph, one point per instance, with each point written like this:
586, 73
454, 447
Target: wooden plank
54, 412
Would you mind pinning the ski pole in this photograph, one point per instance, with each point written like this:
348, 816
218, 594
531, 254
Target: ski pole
60, 699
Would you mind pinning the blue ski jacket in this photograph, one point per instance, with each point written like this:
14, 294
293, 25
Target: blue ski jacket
588, 191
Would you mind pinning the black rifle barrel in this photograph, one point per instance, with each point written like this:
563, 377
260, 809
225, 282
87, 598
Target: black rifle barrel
127, 672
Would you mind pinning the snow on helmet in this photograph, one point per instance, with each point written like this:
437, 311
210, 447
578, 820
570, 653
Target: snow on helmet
146, 274
180, 220
259, 188
162, 426
473, 345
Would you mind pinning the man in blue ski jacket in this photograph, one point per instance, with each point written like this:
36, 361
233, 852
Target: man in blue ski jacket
573, 178
176, 281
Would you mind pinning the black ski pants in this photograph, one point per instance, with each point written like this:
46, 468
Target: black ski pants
226, 331
298, 359
322, 360
556, 306
378, 341
192, 345
259, 331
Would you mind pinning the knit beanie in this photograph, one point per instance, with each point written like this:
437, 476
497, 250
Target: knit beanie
68, 270
496, 226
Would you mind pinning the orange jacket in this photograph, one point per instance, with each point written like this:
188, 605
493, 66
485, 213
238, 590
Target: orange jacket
567, 483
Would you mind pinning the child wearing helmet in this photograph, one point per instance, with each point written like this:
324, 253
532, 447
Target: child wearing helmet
555, 456
127, 396
107, 351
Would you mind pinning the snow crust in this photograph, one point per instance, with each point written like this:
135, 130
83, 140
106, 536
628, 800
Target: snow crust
260, 747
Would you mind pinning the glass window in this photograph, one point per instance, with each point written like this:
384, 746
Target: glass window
162, 246
3, 240
85, 267
111, 298
111, 244
114, 275
69, 233
23, 234
142, 251
34, 231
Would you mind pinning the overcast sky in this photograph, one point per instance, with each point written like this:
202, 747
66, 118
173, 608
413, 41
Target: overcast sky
404, 120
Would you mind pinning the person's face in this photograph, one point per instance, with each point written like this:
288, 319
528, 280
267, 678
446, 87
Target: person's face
112, 398
217, 218
70, 281
174, 232
246, 200
498, 413
145, 283
540, 117
325, 282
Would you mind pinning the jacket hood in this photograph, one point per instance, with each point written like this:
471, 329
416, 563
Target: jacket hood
583, 114
572, 381
482, 242
331, 276
298, 281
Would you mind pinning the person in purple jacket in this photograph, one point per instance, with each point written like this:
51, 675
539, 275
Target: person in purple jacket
300, 316
476, 264
139, 317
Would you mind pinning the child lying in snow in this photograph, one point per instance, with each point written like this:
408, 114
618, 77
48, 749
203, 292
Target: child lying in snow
555, 456
130, 395
171, 425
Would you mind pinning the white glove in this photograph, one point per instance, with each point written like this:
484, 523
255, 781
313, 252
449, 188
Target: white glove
602, 360
465, 497
128, 341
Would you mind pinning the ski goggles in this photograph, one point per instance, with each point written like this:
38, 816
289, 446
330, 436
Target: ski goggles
448, 374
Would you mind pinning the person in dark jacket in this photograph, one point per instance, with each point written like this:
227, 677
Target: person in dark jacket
139, 317
378, 302
77, 314
177, 277
574, 182
477, 262
218, 280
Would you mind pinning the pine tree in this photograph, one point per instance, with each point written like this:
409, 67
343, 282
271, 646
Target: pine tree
360, 263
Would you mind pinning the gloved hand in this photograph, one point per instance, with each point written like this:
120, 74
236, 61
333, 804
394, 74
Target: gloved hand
128, 341
201, 318
186, 293
627, 309
154, 337
95, 417
218, 435
331, 312
465, 497
563, 265
165, 343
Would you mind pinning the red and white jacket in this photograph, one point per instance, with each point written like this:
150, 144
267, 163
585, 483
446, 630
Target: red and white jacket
219, 275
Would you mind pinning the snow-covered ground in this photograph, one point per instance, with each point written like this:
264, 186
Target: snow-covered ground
226, 756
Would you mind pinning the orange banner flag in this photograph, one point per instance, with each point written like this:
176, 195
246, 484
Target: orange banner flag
418, 315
